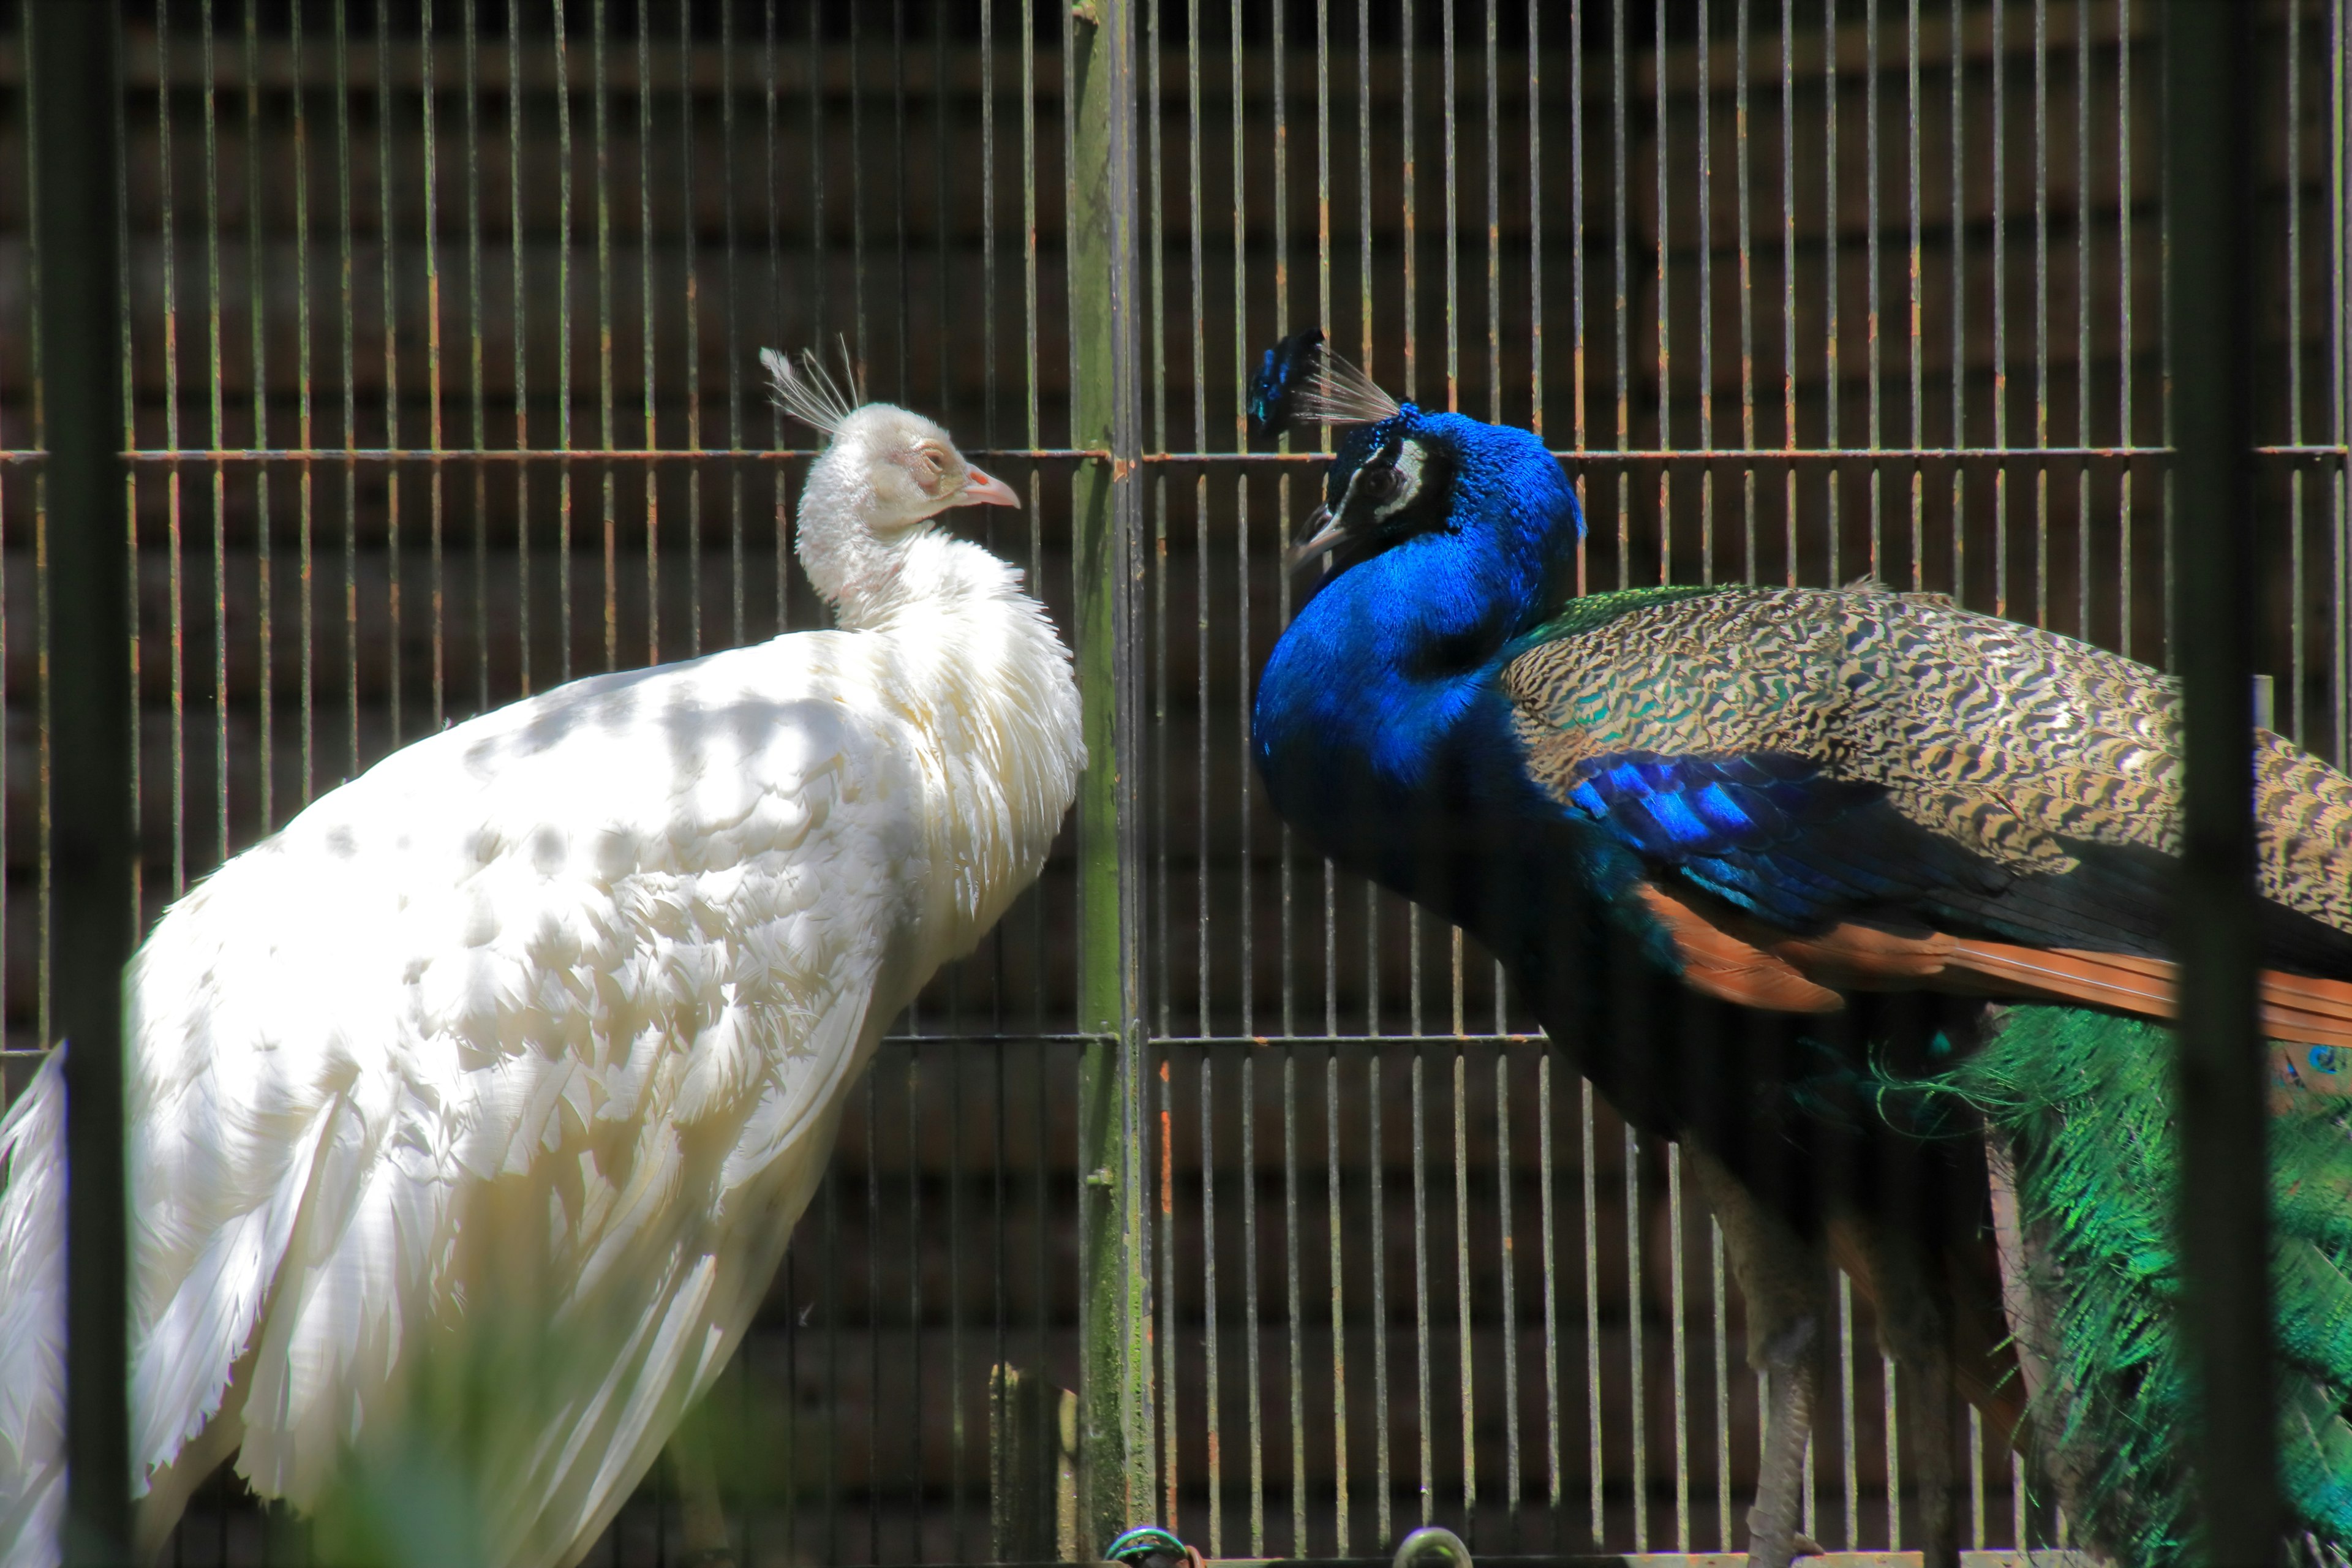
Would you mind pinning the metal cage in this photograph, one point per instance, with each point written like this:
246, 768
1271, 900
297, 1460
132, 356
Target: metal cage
439, 322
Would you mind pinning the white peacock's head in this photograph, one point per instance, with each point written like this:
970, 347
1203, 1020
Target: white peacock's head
883, 471
911, 469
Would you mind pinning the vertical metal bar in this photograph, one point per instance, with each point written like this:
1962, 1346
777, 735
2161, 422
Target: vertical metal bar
1161, 772
2294, 140
1846, 1422
168, 249
562, 343
1721, 1313
1788, 318
1706, 203
2208, 174
2083, 331
307, 608
1976, 1479
1285, 874
2126, 434
1201, 955
1494, 227
392, 434
1894, 1426
2339, 386
1999, 122
2340, 227
601, 103
1680, 1340
1620, 237
1421, 1282
1255, 1388
1295, 1363
1544, 1166
437, 604
1594, 1469
1116, 1421
1872, 282
1579, 368
1957, 307
1635, 1376
1464, 1327
217, 410
264, 531
646, 334
1914, 280
1833, 387
874, 1481
476, 384
1408, 190
521, 337
1383, 1477
916, 1480
1505, 1173
1664, 220
734, 357
1332, 1101
1169, 1490
2041, 309
72, 55
1211, 1392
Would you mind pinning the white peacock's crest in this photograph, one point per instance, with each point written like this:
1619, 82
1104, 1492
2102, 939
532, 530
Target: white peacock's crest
808, 392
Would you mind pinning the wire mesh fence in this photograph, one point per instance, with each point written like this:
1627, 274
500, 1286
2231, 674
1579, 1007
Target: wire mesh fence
440, 319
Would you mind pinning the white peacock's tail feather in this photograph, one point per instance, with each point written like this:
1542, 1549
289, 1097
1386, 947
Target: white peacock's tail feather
1336, 393
808, 392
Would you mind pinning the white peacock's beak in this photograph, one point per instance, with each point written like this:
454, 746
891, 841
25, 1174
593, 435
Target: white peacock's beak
985, 489
1324, 535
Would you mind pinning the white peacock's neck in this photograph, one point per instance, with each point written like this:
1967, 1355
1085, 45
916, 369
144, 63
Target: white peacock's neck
980, 667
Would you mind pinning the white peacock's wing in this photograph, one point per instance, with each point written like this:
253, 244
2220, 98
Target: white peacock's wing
526, 1187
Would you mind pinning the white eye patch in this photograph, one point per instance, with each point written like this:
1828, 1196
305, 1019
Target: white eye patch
1407, 484
1381, 491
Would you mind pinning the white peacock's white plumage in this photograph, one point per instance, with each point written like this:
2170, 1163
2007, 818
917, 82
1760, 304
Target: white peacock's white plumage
523, 1050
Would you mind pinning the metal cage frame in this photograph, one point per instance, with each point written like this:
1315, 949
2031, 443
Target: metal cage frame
1139, 1035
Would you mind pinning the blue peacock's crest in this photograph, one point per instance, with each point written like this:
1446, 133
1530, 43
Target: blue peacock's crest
1301, 382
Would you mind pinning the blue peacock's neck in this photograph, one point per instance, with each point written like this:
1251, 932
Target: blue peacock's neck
1379, 726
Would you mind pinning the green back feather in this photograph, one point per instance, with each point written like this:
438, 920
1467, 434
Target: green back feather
2084, 1102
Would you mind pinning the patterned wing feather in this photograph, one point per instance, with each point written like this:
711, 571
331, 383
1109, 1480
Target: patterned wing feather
1810, 754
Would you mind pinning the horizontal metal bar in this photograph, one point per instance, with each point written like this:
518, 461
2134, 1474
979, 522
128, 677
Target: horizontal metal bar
2040, 1558
1753, 456
1433, 1039
529, 454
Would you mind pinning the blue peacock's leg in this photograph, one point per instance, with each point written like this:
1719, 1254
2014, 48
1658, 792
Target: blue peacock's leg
1783, 1279
1900, 1280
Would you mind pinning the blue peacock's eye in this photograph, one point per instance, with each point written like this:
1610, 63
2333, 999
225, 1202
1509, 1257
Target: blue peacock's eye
1381, 483
2324, 1059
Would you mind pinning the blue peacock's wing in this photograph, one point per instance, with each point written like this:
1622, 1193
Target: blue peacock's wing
1811, 755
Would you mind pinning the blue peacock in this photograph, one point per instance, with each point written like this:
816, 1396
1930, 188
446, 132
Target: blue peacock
1858, 894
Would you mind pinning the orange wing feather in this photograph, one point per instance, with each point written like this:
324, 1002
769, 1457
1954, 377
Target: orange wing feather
1730, 954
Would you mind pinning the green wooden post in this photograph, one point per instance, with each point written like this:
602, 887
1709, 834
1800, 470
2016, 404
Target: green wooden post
1115, 1397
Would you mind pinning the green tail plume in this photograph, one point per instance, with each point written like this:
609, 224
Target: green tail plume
2084, 1102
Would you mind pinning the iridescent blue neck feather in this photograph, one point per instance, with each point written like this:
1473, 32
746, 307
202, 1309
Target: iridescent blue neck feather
1379, 713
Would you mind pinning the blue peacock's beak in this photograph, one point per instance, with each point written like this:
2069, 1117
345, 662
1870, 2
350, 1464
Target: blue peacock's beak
1325, 533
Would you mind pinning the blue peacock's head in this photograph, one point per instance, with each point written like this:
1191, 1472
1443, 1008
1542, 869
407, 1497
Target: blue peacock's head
1401, 474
